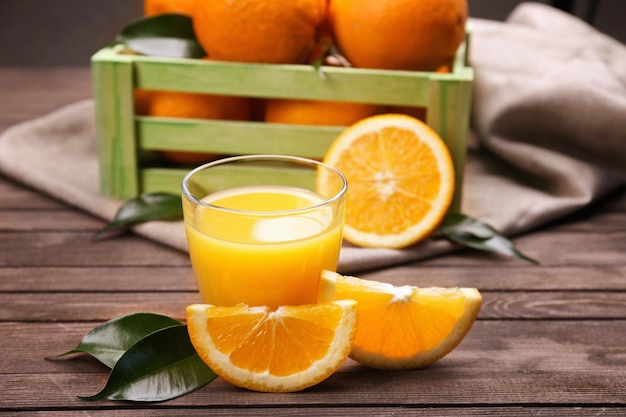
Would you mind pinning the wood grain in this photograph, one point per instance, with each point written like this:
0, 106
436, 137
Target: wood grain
549, 340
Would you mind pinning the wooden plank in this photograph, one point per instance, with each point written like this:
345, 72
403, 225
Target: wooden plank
283, 81
119, 410
234, 138
180, 278
76, 249
610, 217
48, 220
69, 306
529, 363
448, 114
18, 197
117, 150
493, 276
162, 180
122, 410
551, 248
549, 346
98, 279
233, 175
442, 386
554, 305
29, 92
23, 209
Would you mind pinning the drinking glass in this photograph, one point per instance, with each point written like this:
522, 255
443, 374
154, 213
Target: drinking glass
258, 230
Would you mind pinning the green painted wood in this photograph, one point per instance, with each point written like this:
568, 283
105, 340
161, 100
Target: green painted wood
124, 136
288, 81
169, 180
447, 101
238, 138
458, 103
117, 151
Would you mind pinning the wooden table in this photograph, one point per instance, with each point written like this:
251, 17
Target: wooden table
549, 340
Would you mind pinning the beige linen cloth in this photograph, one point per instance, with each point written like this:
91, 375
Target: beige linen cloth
549, 123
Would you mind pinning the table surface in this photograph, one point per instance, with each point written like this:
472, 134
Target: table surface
550, 339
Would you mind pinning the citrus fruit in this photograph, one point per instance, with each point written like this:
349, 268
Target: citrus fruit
270, 31
283, 350
418, 35
155, 7
403, 327
316, 112
400, 180
197, 106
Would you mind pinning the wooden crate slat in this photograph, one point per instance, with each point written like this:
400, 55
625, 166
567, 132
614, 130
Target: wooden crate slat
448, 114
239, 138
442, 116
162, 179
117, 150
124, 137
169, 180
286, 81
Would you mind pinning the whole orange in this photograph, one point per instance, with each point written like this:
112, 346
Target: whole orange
314, 112
416, 35
155, 7
197, 106
269, 31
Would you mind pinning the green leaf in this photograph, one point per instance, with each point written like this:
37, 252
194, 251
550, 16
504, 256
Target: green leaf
110, 340
162, 366
143, 208
167, 35
475, 234
318, 62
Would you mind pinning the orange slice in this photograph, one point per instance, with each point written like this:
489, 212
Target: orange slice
400, 180
403, 327
283, 350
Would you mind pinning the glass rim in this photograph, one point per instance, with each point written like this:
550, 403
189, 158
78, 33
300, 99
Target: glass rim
264, 157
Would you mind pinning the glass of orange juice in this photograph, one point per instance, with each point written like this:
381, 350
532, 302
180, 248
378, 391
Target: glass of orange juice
258, 231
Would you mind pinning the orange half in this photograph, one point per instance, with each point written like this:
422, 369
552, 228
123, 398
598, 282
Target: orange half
400, 180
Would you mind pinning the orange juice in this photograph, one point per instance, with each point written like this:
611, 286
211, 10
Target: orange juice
262, 245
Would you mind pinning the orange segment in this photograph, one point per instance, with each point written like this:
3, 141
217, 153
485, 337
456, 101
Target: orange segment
403, 327
400, 180
283, 350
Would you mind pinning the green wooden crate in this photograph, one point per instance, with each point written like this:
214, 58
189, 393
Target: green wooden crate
126, 140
